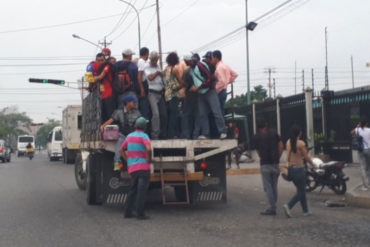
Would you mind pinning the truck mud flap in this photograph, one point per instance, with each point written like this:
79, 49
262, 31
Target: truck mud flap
212, 188
113, 187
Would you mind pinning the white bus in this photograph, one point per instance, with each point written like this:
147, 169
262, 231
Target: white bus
55, 141
22, 143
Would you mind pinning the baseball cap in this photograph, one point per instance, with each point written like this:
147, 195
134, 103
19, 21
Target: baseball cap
106, 52
141, 123
187, 57
208, 54
128, 52
153, 54
129, 98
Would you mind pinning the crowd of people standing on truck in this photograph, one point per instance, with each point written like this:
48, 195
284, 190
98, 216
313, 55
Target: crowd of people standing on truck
186, 100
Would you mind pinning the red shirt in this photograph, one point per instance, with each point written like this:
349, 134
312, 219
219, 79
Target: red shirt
106, 86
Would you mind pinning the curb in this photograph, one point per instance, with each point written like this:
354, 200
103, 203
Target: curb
358, 198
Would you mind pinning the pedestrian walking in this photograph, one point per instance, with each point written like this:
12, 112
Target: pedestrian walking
125, 118
296, 154
363, 130
154, 77
224, 76
137, 152
142, 86
269, 148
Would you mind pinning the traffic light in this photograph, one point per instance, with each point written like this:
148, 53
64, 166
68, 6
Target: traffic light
51, 81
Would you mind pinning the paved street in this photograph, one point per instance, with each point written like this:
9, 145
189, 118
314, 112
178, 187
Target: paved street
40, 205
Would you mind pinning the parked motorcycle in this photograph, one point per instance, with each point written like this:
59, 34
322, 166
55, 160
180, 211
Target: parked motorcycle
328, 174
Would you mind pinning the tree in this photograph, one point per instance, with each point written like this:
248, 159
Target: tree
10, 121
42, 134
259, 94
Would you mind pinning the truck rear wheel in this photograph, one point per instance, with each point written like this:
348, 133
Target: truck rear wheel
80, 175
92, 177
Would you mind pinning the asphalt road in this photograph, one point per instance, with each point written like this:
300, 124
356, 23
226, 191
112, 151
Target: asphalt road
40, 205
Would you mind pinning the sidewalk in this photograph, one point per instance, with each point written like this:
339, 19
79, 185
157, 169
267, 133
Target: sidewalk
354, 196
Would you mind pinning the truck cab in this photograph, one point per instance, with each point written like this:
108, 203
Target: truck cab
54, 144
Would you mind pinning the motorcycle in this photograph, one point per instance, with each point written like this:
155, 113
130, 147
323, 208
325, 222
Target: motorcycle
328, 174
30, 153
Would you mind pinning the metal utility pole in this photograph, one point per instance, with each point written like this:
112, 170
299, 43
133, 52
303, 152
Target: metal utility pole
105, 43
274, 87
295, 77
313, 83
138, 20
326, 58
269, 85
159, 35
303, 80
247, 51
353, 75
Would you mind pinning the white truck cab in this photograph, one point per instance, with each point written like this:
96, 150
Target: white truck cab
55, 140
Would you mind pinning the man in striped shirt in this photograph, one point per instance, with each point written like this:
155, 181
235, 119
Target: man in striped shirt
137, 152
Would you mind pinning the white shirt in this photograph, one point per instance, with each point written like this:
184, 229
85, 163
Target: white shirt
141, 64
365, 133
157, 83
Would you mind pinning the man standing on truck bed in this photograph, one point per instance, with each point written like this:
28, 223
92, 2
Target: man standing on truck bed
125, 117
137, 152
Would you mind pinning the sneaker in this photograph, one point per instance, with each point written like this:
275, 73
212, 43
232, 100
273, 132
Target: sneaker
202, 137
223, 136
307, 213
364, 188
116, 166
287, 211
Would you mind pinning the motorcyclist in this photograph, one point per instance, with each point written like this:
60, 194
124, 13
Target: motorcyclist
29, 148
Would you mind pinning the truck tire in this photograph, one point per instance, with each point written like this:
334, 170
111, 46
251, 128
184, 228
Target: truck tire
80, 176
64, 153
92, 176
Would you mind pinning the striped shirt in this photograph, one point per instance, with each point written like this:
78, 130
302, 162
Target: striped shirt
137, 155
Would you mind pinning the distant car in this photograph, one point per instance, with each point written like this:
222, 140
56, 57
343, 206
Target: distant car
4, 152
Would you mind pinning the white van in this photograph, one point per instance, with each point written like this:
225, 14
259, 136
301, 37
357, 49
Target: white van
55, 141
22, 143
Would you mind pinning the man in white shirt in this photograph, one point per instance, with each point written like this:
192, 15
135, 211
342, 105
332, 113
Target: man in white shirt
157, 102
142, 91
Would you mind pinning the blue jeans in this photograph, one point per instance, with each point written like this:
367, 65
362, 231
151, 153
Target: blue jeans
144, 107
139, 186
209, 103
270, 176
222, 97
298, 175
173, 118
117, 155
189, 114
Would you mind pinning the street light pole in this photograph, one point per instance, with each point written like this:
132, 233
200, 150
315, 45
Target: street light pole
138, 20
78, 37
247, 53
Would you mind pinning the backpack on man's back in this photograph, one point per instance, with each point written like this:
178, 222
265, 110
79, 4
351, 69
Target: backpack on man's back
121, 80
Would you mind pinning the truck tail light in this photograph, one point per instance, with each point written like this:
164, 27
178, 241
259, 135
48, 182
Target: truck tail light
1, 149
203, 165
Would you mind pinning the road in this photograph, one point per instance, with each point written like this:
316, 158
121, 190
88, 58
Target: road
40, 205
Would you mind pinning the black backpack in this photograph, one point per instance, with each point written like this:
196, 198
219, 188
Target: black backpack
121, 80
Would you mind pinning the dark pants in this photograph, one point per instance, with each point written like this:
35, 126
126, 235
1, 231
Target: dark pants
222, 96
144, 107
139, 186
190, 109
299, 179
173, 118
108, 105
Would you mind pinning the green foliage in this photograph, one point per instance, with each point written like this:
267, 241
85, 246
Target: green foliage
42, 134
259, 94
9, 123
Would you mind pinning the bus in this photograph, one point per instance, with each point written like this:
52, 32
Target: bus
55, 141
22, 143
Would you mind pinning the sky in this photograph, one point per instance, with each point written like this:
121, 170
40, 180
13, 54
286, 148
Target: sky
290, 41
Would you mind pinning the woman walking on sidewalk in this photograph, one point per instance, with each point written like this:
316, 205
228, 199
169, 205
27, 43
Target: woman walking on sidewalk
296, 153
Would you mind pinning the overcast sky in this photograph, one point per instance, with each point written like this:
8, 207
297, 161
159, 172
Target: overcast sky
294, 35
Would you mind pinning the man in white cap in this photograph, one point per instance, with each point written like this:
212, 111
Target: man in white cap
125, 76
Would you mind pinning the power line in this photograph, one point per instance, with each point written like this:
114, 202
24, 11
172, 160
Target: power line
58, 25
120, 21
37, 65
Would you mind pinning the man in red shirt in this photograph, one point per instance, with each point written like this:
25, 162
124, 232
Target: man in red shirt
105, 78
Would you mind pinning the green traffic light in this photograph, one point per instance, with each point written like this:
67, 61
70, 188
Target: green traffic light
62, 82
44, 81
